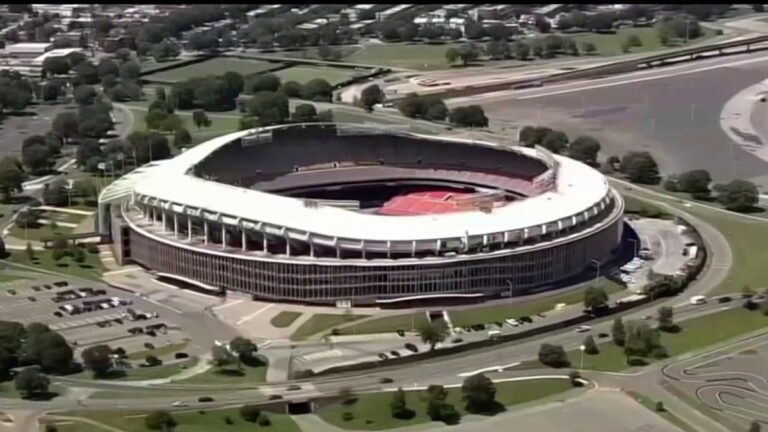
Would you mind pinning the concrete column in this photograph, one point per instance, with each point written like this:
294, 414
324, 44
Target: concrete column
175, 225
205, 230
223, 236
242, 232
362, 248
264, 240
389, 249
287, 244
311, 247
189, 228
164, 225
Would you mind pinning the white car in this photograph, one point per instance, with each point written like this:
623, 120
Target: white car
583, 329
179, 404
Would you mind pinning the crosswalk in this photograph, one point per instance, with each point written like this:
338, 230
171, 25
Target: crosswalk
84, 322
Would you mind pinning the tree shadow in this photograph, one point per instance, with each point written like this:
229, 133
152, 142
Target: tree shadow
406, 414
62, 265
495, 408
85, 266
752, 210
230, 373
111, 374
41, 397
672, 329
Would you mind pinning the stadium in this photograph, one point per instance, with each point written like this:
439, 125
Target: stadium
360, 215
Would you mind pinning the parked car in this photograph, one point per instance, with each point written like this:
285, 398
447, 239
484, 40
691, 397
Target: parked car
602, 335
386, 380
293, 387
411, 347
205, 399
724, 299
383, 356
394, 353
32, 299
179, 404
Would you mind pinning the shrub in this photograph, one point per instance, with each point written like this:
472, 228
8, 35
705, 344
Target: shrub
636, 361
228, 420
660, 406
347, 416
575, 378
250, 413
264, 420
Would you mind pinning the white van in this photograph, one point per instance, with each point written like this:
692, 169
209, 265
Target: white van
493, 334
698, 300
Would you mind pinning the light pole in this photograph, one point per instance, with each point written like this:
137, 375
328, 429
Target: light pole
582, 348
634, 247
597, 272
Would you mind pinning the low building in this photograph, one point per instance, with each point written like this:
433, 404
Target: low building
551, 10
28, 49
386, 14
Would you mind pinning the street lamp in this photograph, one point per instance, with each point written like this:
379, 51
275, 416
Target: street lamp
634, 247
582, 348
597, 272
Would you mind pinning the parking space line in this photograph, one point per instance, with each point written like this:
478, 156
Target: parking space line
253, 315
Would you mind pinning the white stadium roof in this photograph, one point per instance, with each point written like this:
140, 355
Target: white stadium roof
579, 188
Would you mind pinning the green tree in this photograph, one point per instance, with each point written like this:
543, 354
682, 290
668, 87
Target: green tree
66, 125
553, 356
304, 113
398, 406
595, 297
86, 73
468, 116
31, 382
433, 333
221, 357
242, 347
259, 83
159, 420
479, 393
521, 50
590, 347
633, 40
250, 413
97, 359
640, 167
642, 340
181, 137
270, 108
130, 70
370, 96
200, 118
107, 67
292, 89
738, 195
555, 141
618, 333
585, 149
29, 252
666, 319
317, 89
694, 181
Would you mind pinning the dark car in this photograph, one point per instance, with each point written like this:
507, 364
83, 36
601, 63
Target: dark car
36, 288
48, 287
293, 387
61, 284
386, 380
275, 397
394, 353
383, 356
205, 399
602, 335
411, 347
32, 299
58, 314
724, 299
525, 319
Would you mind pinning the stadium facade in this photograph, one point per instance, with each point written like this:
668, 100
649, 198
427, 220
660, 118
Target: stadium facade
352, 214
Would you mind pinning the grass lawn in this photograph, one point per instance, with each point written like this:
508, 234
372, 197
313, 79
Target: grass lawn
666, 415
158, 352
141, 373
285, 319
697, 333
371, 411
216, 66
35, 234
188, 421
91, 268
149, 64
415, 56
70, 426
248, 375
302, 74
220, 125
10, 278
610, 44
480, 314
321, 322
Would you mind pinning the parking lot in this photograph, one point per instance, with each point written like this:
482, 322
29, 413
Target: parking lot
87, 315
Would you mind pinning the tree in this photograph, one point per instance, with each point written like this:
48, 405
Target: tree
468, 116
35, 154
86, 73
585, 149
258, 83
181, 137
56, 65
317, 89
595, 297
200, 119
53, 194
66, 125
521, 50
130, 70
203, 41
11, 178
533, 135
437, 407
398, 406
233, 83
250, 413
590, 347
640, 167
738, 195
107, 67
161, 96
97, 359
148, 146
555, 141
754, 426
159, 420
694, 181
304, 113
633, 40
164, 50
292, 89
221, 357
618, 333
212, 94
31, 382
497, 49
438, 111
370, 96
433, 333
641, 340
588, 47
553, 356
666, 319
270, 108
50, 91
123, 54
84, 94
242, 347
479, 393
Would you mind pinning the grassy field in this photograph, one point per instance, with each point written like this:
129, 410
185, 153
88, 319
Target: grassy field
247, 375
143, 373
371, 411
158, 352
216, 66
149, 64
415, 56
189, 421
91, 268
322, 322
220, 125
666, 415
481, 314
9, 278
285, 319
610, 44
41, 232
302, 74
697, 333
